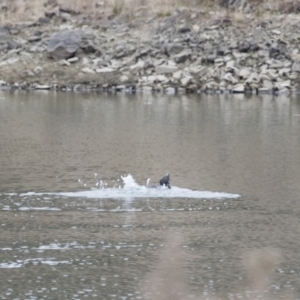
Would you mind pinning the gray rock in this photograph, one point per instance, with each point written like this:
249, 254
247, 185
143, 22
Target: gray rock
283, 91
278, 51
42, 87
64, 44
73, 59
293, 76
186, 80
174, 48
79, 88
101, 63
9, 61
38, 70
89, 47
230, 64
227, 58
44, 20
219, 62
177, 75
170, 91
264, 91
138, 66
124, 78
287, 64
196, 28
296, 67
238, 88
244, 73
207, 46
3, 32
202, 71
12, 45
211, 57
182, 56
267, 84
244, 46
105, 70
284, 71
252, 79
34, 38
263, 53
183, 29
276, 65
64, 62
229, 77
163, 69
283, 84
88, 71
161, 78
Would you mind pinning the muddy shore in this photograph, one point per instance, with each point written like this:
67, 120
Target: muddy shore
189, 51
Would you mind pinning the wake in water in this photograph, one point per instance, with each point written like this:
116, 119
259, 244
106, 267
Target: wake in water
130, 189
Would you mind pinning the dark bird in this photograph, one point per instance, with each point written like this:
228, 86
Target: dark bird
165, 181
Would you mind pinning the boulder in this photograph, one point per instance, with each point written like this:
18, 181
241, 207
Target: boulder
64, 44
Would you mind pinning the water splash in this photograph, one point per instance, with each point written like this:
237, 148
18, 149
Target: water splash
129, 182
131, 190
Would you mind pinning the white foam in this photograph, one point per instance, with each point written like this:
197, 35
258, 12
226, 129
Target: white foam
38, 208
143, 192
131, 190
34, 261
58, 246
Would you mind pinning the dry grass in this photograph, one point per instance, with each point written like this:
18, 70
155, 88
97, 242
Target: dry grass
31, 10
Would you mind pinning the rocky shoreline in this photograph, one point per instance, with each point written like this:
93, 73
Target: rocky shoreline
190, 51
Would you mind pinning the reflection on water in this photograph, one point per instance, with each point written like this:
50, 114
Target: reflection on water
71, 229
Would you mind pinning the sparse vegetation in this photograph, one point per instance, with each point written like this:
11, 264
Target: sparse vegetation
118, 7
25, 10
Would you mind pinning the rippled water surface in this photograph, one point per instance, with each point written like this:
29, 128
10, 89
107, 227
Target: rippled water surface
78, 221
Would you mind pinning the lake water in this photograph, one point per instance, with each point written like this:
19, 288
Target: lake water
78, 222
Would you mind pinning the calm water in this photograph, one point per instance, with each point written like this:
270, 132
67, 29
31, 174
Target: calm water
72, 228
